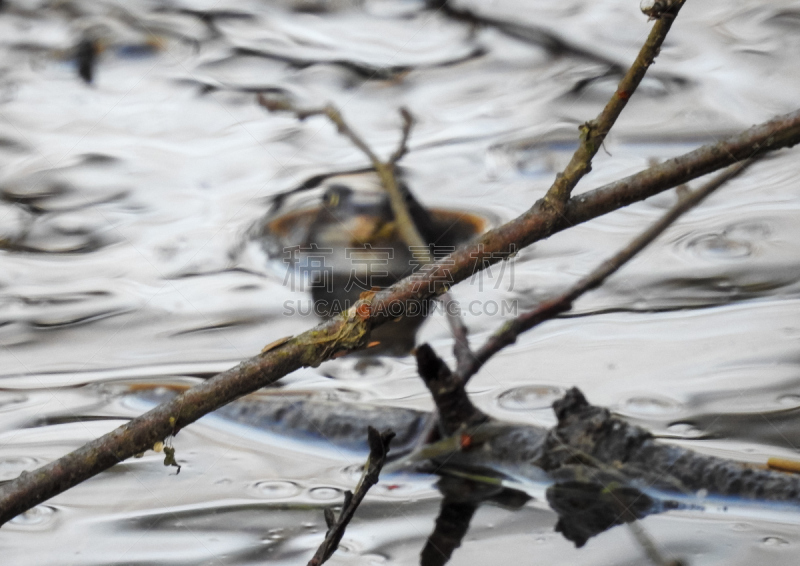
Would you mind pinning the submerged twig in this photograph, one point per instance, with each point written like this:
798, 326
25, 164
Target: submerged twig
546, 310
378, 450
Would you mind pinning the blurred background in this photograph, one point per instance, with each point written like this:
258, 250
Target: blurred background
136, 177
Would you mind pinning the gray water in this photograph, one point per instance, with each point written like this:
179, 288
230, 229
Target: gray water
131, 204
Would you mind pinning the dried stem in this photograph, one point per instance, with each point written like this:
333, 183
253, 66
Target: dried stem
546, 310
378, 450
349, 331
594, 132
402, 149
458, 329
406, 227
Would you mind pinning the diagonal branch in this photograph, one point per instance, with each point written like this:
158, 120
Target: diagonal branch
537, 223
549, 309
349, 331
594, 132
378, 450
402, 148
461, 350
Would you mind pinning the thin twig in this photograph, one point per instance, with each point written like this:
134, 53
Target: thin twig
546, 310
402, 149
349, 331
461, 350
406, 228
378, 450
594, 132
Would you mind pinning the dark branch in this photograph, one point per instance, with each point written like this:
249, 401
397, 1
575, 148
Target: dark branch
378, 450
447, 389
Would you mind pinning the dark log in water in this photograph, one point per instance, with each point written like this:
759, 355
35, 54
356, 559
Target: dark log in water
593, 438
602, 470
589, 445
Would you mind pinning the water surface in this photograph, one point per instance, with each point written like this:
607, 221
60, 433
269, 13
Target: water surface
131, 203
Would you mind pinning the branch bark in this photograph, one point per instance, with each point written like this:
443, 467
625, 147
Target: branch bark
594, 132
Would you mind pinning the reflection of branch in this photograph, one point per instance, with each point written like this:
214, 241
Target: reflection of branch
546, 310
349, 330
378, 449
461, 497
451, 526
407, 229
594, 132
591, 505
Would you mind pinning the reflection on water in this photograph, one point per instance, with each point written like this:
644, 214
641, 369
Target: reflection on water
126, 215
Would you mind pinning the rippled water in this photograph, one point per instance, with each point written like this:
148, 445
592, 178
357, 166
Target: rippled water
128, 208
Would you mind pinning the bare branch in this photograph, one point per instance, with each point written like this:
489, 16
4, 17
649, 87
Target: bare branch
536, 223
508, 334
350, 330
594, 132
407, 229
378, 450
